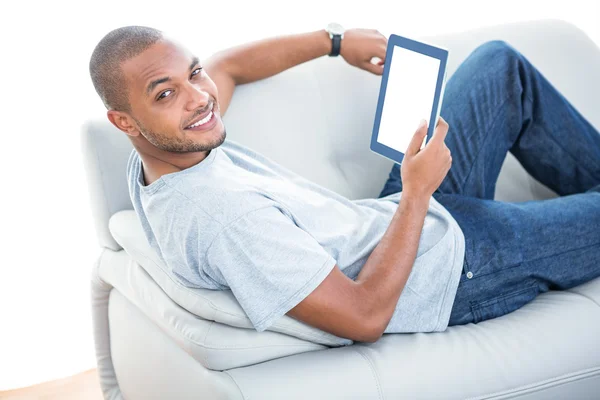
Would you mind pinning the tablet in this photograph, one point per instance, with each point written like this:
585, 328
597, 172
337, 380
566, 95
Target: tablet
412, 88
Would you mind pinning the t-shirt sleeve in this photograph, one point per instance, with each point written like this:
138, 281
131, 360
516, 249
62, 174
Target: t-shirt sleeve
269, 263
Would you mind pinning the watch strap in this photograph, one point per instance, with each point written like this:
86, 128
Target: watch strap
336, 44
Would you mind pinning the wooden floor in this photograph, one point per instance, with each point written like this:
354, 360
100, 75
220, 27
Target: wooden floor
82, 386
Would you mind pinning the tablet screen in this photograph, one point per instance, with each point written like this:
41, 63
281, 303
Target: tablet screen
409, 97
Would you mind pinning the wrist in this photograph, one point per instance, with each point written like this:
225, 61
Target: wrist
414, 200
324, 42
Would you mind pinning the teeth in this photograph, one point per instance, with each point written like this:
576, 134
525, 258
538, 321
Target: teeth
203, 120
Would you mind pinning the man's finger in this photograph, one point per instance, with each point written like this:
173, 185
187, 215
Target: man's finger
374, 68
417, 140
440, 131
380, 52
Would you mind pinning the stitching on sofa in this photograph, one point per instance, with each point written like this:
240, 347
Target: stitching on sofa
252, 347
202, 353
584, 295
204, 346
373, 370
208, 330
546, 383
249, 347
235, 383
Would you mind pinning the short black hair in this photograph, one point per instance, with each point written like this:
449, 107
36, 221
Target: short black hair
116, 47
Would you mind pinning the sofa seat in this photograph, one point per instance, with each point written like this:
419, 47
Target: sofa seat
553, 342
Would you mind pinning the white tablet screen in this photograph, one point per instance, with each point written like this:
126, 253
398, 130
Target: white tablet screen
409, 97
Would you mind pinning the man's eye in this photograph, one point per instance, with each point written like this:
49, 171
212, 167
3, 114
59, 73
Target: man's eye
164, 94
197, 71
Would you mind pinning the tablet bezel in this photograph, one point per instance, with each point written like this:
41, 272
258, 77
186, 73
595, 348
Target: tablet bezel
437, 52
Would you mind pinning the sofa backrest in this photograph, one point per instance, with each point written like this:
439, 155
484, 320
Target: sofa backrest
317, 118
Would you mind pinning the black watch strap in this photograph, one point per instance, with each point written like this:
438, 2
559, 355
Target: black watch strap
336, 44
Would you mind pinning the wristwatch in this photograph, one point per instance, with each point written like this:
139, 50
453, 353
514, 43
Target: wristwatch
336, 33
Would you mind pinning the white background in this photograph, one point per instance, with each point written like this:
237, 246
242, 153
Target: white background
48, 242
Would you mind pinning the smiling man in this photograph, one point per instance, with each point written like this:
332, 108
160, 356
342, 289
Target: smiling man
433, 250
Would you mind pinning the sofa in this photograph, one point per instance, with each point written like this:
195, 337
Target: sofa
156, 339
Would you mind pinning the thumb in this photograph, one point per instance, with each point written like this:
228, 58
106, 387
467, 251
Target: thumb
417, 140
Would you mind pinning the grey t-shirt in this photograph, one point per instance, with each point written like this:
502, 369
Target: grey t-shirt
240, 221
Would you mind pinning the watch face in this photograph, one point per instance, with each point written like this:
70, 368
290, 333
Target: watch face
335, 29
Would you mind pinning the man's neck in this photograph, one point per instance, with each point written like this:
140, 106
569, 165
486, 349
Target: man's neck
153, 167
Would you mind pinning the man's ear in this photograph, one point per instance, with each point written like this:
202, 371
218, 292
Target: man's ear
123, 121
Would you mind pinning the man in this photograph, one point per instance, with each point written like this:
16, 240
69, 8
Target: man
433, 250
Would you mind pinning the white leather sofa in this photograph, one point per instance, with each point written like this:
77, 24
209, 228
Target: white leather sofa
158, 340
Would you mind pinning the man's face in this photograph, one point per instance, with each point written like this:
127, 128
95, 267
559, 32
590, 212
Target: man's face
172, 99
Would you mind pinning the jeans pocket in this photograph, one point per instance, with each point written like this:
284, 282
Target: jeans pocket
485, 257
504, 303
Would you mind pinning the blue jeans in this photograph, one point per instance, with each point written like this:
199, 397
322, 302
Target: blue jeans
495, 102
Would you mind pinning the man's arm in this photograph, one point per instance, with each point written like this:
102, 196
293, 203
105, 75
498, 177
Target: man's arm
264, 58
362, 309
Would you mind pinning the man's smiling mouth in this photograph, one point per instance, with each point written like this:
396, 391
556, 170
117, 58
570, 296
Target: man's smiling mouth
203, 119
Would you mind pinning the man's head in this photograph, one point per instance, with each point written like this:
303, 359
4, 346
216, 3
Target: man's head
152, 85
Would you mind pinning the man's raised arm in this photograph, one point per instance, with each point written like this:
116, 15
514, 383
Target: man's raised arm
264, 58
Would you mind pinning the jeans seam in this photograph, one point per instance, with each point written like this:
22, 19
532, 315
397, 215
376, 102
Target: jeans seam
488, 129
556, 254
504, 296
478, 306
479, 275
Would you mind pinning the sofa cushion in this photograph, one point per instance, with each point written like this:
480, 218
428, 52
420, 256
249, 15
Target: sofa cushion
214, 345
214, 305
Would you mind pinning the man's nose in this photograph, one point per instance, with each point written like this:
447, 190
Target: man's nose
196, 97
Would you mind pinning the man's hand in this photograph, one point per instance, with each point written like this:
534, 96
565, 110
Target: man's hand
359, 46
424, 170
